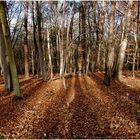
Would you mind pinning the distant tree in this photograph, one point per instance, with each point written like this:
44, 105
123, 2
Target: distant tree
82, 38
49, 52
124, 41
62, 40
40, 49
100, 35
26, 40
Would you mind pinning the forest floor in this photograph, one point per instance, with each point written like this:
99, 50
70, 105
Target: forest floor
86, 109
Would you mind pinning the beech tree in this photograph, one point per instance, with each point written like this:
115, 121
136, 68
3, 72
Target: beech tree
62, 41
69, 39
110, 51
8, 44
49, 53
4, 63
82, 38
26, 40
40, 49
124, 42
100, 36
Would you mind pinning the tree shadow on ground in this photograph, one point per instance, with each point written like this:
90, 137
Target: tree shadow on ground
10, 109
26, 81
52, 123
76, 120
126, 99
85, 121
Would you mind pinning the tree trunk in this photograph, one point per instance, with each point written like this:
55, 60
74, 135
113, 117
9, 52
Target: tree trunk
138, 53
110, 53
35, 49
123, 44
4, 63
80, 54
49, 53
82, 38
134, 54
32, 59
8, 43
26, 40
62, 41
136, 44
100, 37
40, 49
68, 56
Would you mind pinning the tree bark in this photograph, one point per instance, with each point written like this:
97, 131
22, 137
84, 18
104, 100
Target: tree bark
123, 44
40, 49
100, 37
110, 53
4, 63
35, 48
68, 56
8, 43
62, 41
136, 43
26, 62
49, 53
82, 39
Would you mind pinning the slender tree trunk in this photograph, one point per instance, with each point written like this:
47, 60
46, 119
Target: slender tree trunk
79, 50
40, 49
100, 37
32, 59
135, 51
56, 36
68, 58
62, 45
123, 44
89, 42
82, 38
57, 47
110, 53
71, 48
26, 41
8, 43
62, 41
35, 49
96, 39
136, 42
4, 63
88, 60
49, 53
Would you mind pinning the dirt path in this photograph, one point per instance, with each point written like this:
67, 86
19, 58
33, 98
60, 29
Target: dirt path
86, 109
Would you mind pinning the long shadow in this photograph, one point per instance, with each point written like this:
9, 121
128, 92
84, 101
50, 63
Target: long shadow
54, 117
120, 89
125, 99
30, 89
26, 81
84, 122
27, 91
10, 110
4, 94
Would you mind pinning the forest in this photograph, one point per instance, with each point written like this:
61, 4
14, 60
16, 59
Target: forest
69, 69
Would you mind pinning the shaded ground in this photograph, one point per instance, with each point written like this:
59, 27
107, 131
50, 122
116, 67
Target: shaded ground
86, 109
